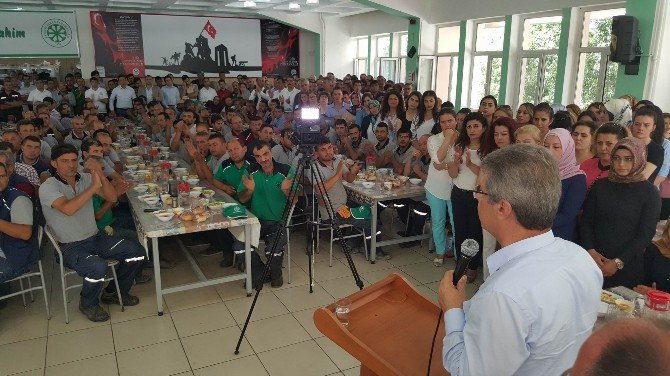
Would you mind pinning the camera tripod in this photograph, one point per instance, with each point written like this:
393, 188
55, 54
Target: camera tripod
306, 162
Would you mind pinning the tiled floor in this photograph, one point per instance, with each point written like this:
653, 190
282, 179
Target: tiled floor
199, 330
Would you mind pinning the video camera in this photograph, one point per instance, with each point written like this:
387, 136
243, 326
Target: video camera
309, 127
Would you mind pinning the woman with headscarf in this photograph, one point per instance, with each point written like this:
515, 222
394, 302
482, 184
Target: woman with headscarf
370, 122
560, 144
620, 214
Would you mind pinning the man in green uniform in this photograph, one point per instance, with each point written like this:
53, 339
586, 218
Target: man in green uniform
266, 185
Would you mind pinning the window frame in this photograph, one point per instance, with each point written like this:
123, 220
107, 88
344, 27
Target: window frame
579, 50
532, 54
454, 61
490, 54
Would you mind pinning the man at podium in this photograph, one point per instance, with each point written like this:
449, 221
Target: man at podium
539, 305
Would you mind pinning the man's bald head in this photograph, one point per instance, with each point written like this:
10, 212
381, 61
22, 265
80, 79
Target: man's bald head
625, 348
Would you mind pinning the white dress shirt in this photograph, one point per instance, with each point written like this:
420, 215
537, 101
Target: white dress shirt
289, 95
531, 316
124, 97
38, 96
207, 94
170, 95
96, 96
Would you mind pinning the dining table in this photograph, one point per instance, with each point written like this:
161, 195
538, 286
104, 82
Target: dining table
378, 193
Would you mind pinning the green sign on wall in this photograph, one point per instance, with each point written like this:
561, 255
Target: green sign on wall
38, 34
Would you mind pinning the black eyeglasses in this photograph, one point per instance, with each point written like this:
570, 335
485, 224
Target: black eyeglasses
478, 190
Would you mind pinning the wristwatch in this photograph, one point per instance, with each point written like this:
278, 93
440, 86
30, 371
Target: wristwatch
619, 263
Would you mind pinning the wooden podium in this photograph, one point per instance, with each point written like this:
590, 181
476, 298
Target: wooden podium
391, 327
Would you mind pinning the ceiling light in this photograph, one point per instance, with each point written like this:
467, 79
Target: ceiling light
249, 4
293, 6
312, 2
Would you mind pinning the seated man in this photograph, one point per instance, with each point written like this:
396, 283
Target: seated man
251, 134
205, 166
266, 185
28, 128
15, 180
333, 170
402, 152
78, 133
355, 146
67, 204
30, 155
286, 152
109, 154
18, 242
22, 169
385, 147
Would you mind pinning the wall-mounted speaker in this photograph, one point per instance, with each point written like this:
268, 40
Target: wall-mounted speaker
411, 52
624, 46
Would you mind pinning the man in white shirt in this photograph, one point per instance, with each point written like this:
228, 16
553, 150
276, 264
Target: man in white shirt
287, 95
122, 97
533, 313
98, 95
37, 95
207, 93
170, 93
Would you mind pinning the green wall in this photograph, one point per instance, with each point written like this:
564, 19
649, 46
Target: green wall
504, 68
563, 45
645, 12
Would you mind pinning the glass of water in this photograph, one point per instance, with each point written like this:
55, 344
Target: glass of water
342, 309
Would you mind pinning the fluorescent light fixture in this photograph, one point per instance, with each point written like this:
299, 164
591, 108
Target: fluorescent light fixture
293, 6
249, 4
312, 2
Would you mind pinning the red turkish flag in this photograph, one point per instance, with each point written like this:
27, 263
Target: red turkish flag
210, 30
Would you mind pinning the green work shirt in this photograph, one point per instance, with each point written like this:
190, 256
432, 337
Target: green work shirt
268, 200
106, 219
229, 173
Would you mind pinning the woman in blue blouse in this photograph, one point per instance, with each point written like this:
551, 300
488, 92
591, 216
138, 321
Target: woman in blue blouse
573, 183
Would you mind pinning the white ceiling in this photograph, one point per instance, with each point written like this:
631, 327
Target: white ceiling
326, 7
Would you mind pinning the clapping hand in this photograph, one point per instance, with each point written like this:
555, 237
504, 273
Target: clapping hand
249, 183
287, 183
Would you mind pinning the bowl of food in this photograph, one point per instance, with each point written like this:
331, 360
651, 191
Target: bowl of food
180, 171
131, 167
368, 184
415, 181
402, 178
194, 193
174, 163
165, 197
165, 149
153, 200
208, 193
178, 210
216, 205
193, 181
141, 188
165, 216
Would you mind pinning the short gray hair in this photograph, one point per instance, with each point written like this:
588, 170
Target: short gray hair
527, 177
10, 158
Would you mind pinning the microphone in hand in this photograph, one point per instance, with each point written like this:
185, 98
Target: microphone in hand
469, 249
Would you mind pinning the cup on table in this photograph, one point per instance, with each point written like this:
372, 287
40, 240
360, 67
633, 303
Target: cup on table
342, 309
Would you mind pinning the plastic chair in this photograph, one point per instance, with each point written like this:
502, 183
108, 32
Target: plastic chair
65, 273
323, 226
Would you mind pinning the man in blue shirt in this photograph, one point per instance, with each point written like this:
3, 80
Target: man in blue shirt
336, 109
533, 313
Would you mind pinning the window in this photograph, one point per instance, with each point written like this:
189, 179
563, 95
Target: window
539, 59
448, 39
361, 60
384, 46
403, 43
596, 75
486, 61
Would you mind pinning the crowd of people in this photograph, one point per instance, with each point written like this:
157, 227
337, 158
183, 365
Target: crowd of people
58, 166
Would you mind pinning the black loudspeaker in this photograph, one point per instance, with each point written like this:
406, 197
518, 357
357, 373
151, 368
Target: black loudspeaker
411, 52
625, 39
